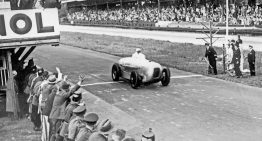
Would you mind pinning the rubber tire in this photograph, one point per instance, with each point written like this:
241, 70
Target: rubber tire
116, 72
134, 80
165, 80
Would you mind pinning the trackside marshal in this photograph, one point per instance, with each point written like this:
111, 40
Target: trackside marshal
29, 27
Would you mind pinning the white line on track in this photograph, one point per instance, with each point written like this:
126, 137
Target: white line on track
172, 77
185, 76
101, 83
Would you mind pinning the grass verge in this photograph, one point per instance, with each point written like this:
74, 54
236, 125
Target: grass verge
183, 56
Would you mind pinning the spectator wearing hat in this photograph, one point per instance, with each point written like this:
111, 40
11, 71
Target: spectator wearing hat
75, 122
34, 82
48, 94
118, 135
60, 103
251, 60
211, 55
129, 139
236, 61
74, 103
30, 68
97, 137
35, 92
88, 128
138, 54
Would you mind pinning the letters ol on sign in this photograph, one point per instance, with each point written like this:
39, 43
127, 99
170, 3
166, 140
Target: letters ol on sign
29, 27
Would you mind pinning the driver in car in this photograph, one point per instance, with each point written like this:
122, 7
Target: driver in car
138, 54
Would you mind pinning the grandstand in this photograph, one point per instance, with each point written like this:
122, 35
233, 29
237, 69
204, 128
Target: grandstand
154, 11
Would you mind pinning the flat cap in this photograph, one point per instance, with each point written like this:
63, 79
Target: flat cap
91, 117
77, 96
250, 46
52, 79
97, 137
129, 139
79, 109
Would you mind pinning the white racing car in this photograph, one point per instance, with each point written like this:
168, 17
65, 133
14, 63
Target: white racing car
140, 72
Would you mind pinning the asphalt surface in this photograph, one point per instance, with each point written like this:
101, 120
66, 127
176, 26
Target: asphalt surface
191, 108
178, 37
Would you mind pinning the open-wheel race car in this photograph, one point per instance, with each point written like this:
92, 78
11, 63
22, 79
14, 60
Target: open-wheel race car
140, 72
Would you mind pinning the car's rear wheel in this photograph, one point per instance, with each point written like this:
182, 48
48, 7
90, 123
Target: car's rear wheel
116, 72
165, 77
135, 80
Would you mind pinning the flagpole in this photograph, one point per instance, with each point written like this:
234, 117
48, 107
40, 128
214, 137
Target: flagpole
227, 14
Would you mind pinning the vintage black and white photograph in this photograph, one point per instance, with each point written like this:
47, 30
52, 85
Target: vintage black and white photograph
130, 70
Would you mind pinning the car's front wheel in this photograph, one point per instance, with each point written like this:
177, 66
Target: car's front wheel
134, 80
165, 77
116, 72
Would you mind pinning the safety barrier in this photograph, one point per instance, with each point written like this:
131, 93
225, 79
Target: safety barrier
153, 26
112, 23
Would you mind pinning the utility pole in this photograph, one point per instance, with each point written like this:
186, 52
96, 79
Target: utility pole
210, 31
227, 13
158, 3
210, 35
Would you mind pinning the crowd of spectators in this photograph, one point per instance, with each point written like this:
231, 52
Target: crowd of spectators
244, 15
56, 108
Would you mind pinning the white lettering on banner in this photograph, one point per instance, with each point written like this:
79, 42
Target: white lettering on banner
27, 26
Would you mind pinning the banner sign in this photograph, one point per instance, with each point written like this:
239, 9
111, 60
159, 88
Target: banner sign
29, 27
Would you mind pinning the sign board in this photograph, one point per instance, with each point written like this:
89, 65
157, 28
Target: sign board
29, 27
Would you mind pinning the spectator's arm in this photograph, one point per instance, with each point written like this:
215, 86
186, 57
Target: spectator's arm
78, 85
60, 75
254, 55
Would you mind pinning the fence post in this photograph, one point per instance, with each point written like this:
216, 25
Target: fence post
224, 59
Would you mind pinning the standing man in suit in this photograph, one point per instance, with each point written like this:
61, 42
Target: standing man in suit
251, 60
211, 55
236, 60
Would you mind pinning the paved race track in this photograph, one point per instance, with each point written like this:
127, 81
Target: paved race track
191, 108
179, 37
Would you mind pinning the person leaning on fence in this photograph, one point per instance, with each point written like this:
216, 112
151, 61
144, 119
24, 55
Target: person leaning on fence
251, 60
211, 55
